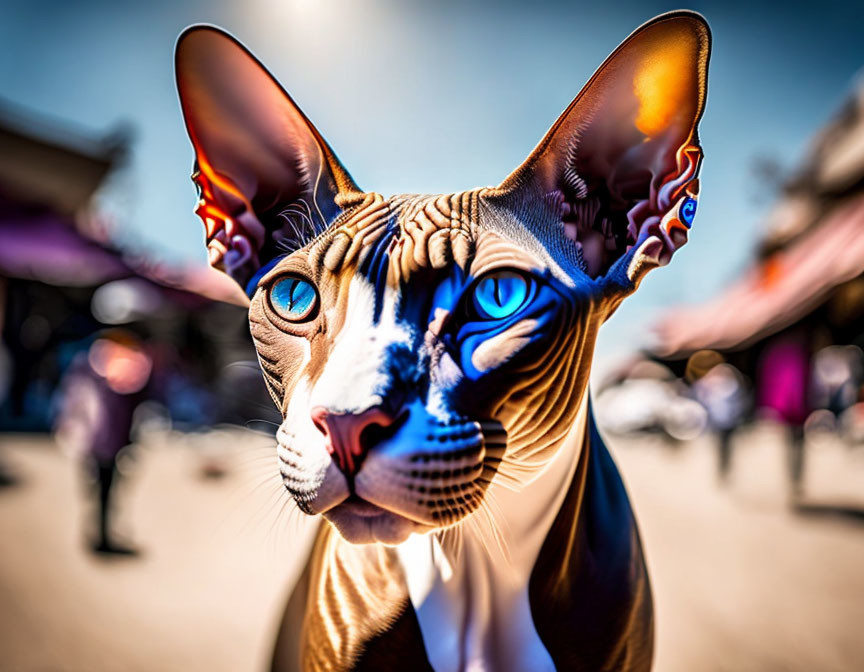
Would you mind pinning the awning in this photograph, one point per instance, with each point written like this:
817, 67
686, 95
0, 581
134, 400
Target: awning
45, 247
779, 291
38, 245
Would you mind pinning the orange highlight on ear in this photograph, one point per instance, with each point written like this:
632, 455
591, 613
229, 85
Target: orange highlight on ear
662, 84
214, 206
675, 224
693, 188
211, 177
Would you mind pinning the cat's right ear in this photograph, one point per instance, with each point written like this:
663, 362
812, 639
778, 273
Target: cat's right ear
268, 181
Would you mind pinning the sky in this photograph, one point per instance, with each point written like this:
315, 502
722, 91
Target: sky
435, 97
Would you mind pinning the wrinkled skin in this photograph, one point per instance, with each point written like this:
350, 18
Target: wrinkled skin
425, 350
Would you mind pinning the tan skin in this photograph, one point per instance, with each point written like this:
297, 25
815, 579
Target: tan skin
407, 409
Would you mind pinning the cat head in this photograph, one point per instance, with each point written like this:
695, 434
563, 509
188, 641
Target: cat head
423, 347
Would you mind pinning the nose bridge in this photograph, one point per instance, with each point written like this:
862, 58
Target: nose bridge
346, 436
361, 373
370, 362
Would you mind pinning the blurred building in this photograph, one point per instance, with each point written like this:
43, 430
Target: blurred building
62, 280
804, 291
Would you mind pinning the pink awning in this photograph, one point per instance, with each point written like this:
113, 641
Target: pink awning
774, 294
42, 246
45, 247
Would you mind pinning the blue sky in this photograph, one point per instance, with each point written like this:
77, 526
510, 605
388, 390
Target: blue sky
437, 96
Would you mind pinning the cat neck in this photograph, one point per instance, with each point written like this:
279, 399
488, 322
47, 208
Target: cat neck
470, 589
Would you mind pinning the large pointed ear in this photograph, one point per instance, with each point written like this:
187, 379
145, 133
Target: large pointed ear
268, 181
619, 167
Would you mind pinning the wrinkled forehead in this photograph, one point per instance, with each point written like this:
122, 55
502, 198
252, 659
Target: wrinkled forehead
394, 240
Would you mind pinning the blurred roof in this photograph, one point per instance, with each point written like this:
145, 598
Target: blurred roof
40, 245
814, 242
832, 171
777, 292
838, 162
43, 162
48, 174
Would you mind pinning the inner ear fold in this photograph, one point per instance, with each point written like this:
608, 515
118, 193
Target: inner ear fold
268, 182
624, 157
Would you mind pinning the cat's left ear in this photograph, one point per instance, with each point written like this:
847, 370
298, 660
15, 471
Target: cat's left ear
619, 168
268, 181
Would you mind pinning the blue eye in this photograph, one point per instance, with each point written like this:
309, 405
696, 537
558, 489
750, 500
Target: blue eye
293, 298
500, 294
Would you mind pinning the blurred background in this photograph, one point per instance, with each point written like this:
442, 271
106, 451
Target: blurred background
731, 386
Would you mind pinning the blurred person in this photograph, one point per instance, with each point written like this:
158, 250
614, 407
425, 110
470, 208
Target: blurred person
100, 393
837, 372
783, 383
852, 420
723, 393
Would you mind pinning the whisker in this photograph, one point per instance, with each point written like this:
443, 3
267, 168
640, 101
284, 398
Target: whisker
262, 421
272, 530
302, 226
490, 507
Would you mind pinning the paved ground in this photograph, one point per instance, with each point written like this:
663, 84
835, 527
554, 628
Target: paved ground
740, 583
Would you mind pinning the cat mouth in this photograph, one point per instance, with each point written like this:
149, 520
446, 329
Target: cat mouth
358, 506
360, 522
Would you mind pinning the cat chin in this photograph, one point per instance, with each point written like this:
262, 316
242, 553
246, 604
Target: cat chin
366, 527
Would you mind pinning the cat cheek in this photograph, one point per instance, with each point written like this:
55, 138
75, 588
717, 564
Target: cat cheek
496, 351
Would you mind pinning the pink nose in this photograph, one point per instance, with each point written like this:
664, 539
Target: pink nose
347, 440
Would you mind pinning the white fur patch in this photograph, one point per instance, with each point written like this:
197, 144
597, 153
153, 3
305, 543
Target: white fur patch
353, 377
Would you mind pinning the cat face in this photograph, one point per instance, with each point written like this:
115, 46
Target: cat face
421, 348
393, 344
